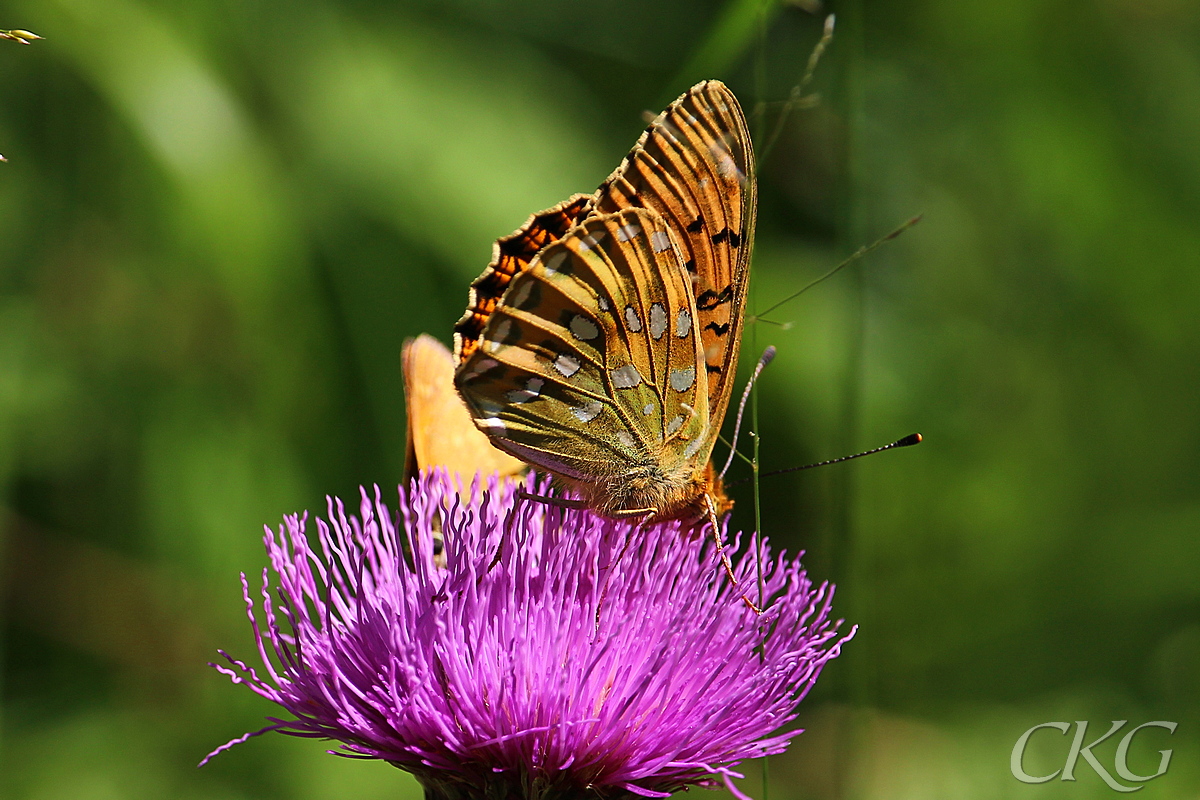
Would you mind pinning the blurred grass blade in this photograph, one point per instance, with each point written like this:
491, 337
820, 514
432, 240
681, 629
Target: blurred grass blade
735, 29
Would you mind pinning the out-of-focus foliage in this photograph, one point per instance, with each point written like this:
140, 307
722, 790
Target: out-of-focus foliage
220, 219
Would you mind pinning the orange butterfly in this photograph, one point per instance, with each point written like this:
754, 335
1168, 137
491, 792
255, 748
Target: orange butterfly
601, 343
440, 431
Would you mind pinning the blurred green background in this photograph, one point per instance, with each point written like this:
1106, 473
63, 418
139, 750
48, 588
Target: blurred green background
220, 219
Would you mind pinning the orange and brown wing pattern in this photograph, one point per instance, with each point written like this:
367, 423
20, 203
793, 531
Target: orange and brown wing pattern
440, 430
694, 165
590, 365
511, 256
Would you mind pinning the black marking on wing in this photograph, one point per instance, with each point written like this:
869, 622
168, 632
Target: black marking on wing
709, 299
696, 225
717, 238
719, 330
690, 265
711, 368
735, 241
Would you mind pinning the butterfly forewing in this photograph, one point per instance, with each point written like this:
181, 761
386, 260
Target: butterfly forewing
694, 165
590, 366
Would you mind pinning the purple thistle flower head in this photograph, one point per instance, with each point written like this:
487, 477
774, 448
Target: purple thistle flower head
494, 675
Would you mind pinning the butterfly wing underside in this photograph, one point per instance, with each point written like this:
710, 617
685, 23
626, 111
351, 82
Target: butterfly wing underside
590, 364
440, 429
511, 256
694, 165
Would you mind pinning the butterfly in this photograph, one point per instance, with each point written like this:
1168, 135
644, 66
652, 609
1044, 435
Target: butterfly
440, 431
601, 342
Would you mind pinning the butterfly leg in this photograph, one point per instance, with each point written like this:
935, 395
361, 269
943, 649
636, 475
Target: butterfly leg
561, 502
718, 539
625, 513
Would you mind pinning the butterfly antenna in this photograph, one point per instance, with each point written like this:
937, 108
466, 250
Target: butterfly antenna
907, 441
763, 360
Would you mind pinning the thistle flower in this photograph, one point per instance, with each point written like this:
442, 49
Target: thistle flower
555, 652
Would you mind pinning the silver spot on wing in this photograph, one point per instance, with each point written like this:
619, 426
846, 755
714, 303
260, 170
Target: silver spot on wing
588, 411
566, 365
674, 425
533, 388
494, 426
627, 232
518, 298
658, 320
480, 367
503, 330
682, 379
693, 446
555, 262
626, 377
631, 319
683, 323
583, 328
590, 240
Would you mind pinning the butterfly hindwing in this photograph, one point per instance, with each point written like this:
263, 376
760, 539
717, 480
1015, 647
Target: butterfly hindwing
590, 366
694, 165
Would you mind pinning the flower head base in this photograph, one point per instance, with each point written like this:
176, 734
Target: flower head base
494, 675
